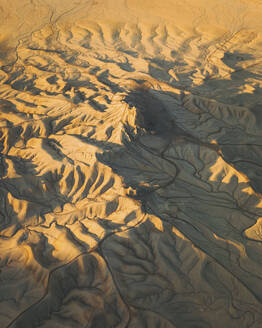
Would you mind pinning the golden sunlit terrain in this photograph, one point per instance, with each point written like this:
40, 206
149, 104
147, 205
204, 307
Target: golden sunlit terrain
130, 164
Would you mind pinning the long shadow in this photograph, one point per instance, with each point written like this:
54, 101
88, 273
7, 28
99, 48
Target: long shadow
192, 207
178, 203
154, 119
240, 87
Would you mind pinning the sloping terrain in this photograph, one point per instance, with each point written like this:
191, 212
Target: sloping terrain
130, 164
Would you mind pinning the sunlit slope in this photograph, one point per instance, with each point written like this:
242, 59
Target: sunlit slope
130, 164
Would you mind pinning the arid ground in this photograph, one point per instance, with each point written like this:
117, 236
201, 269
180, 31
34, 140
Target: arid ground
130, 164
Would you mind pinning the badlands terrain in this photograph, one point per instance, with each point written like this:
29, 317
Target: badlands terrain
130, 164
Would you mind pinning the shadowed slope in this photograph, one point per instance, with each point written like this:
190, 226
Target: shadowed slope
131, 169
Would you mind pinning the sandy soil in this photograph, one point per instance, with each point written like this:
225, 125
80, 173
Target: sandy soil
130, 164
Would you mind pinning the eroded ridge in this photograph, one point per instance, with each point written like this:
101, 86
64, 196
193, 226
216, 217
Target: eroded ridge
130, 179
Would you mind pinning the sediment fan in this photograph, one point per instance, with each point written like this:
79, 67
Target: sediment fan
130, 164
